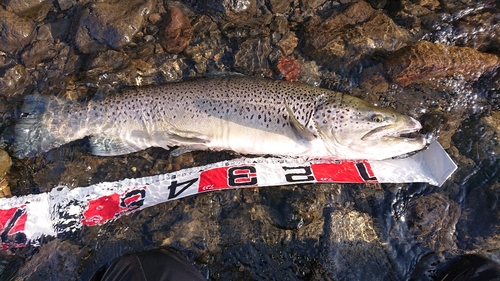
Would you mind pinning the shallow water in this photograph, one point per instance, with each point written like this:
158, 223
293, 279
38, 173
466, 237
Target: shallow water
299, 232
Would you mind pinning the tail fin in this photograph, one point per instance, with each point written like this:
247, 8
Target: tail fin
33, 131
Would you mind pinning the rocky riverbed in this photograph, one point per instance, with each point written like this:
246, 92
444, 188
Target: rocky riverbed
433, 60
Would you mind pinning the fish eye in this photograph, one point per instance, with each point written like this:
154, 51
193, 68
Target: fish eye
377, 118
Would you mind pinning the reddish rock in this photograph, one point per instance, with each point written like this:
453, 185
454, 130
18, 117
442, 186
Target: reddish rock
178, 31
424, 60
288, 68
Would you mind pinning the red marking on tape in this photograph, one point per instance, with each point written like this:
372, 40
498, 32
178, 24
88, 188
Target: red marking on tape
213, 179
344, 172
228, 177
109, 207
13, 220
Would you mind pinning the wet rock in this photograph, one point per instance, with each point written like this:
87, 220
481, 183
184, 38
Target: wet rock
15, 32
14, 80
66, 4
252, 56
430, 4
310, 73
288, 68
44, 33
178, 31
254, 27
494, 121
204, 24
104, 25
289, 210
344, 40
279, 24
233, 11
476, 30
478, 226
280, 6
425, 60
108, 61
38, 52
307, 5
5, 164
31, 9
377, 4
60, 29
350, 240
56, 254
373, 80
288, 43
432, 219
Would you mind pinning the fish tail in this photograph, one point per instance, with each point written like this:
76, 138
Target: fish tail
35, 126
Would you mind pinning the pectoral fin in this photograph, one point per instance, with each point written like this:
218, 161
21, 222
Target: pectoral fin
300, 130
105, 146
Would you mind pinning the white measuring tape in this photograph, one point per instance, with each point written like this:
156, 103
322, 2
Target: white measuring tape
25, 219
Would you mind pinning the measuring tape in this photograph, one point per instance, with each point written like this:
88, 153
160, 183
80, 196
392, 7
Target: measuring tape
25, 219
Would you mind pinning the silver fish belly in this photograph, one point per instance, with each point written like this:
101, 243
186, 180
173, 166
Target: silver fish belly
246, 115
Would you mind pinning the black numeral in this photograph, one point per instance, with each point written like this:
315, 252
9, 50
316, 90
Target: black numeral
173, 186
304, 175
363, 172
240, 176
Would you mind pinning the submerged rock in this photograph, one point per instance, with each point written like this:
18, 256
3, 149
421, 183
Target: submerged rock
178, 31
351, 240
432, 219
33, 9
38, 52
104, 25
425, 60
280, 6
288, 43
232, 10
343, 40
5, 164
252, 56
14, 80
15, 32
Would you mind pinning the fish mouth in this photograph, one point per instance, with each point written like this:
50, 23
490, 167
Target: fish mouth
408, 130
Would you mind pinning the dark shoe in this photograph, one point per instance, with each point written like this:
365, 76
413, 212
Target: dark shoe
469, 268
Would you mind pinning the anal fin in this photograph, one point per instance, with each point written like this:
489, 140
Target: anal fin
179, 138
104, 146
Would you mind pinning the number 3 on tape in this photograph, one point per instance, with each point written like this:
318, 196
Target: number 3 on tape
227, 177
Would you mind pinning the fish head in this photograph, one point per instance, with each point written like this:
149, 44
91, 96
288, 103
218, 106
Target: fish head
354, 129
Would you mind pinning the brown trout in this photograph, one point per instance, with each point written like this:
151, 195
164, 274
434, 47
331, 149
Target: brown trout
246, 115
